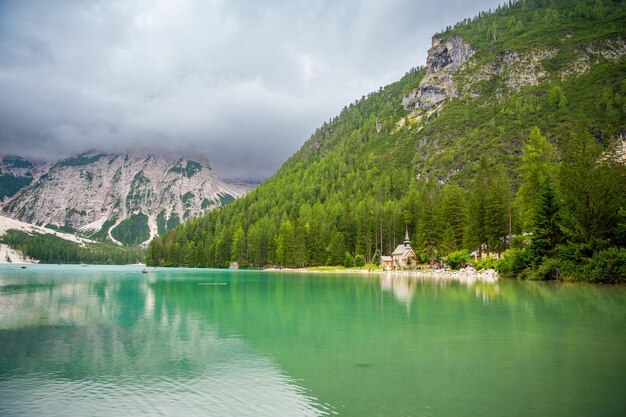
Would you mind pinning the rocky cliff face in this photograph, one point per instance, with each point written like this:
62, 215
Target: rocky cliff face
451, 72
95, 192
450, 54
546, 79
517, 70
437, 85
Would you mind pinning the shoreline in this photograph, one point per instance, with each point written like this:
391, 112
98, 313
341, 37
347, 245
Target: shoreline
465, 274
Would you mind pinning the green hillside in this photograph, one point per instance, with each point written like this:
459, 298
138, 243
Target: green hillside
537, 111
50, 249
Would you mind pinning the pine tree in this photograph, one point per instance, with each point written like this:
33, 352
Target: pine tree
238, 247
348, 260
284, 244
452, 217
376, 257
546, 224
429, 230
475, 234
488, 214
298, 245
448, 242
592, 187
538, 164
496, 211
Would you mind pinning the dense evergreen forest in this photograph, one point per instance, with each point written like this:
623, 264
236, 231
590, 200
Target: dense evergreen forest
51, 249
533, 172
10, 184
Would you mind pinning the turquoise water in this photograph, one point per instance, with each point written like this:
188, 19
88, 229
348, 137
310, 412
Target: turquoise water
110, 341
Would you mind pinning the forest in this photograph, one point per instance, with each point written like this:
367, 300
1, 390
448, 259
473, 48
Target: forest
11, 184
535, 174
54, 250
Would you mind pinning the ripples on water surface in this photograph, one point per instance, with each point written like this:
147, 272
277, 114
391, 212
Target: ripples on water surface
111, 341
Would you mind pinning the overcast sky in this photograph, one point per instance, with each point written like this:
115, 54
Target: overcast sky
243, 83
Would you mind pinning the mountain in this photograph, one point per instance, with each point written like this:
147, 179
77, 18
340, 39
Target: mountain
445, 151
125, 198
16, 173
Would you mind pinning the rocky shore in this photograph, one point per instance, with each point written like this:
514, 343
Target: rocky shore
466, 275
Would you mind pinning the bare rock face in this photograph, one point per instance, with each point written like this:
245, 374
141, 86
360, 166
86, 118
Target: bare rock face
517, 70
450, 54
427, 96
92, 191
437, 85
610, 50
520, 70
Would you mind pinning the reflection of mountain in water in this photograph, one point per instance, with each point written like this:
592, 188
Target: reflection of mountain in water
120, 348
365, 345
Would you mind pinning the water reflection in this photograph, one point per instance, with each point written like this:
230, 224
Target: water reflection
401, 286
280, 344
487, 292
404, 286
102, 345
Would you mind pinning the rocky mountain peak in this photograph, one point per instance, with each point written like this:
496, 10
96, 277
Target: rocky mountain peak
437, 85
450, 54
99, 193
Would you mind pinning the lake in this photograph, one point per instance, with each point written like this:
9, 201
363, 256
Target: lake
111, 341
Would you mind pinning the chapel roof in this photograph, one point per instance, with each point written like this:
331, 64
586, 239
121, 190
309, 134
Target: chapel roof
401, 248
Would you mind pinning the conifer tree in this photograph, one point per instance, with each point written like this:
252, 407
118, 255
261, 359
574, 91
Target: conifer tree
452, 217
592, 187
546, 224
429, 230
538, 164
238, 247
376, 257
348, 261
496, 210
487, 219
475, 234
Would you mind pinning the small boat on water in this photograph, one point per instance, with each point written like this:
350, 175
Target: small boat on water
84, 265
23, 267
144, 271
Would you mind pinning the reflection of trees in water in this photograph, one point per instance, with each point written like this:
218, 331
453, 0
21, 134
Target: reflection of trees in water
324, 331
404, 286
102, 327
134, 329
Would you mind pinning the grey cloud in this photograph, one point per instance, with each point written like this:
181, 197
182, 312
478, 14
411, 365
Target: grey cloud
243, 83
